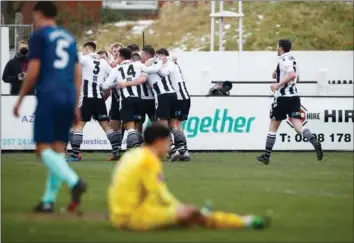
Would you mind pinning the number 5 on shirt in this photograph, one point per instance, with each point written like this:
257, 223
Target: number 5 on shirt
62, 54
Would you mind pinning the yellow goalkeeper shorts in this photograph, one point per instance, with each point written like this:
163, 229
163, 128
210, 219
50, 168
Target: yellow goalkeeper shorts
146, 217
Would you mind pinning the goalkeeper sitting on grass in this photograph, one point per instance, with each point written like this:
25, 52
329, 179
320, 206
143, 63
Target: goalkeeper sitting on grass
139, 199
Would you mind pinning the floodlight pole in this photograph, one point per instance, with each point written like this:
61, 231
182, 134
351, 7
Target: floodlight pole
240, 26
212, 27
221, 27
221, 15
143, 39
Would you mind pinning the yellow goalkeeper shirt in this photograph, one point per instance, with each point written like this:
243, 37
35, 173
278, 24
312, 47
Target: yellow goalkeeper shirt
137, 180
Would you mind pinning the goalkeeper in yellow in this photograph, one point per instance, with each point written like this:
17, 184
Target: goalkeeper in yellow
139, 199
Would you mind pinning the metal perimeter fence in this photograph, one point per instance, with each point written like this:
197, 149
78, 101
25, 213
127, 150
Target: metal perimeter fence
17, 32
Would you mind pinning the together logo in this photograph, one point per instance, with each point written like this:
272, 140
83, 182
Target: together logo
221, 122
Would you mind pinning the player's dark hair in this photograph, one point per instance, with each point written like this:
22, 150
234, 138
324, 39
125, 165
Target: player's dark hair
133, 47
136, 57
163, 51
156, 131
149, 50
91, 44
102, 52
47, 8
285, 45
125, 53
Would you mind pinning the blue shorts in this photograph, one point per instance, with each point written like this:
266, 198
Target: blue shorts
54, 116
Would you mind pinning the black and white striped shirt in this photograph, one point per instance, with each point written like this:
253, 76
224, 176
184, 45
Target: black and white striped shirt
286, 64
146, 91
159, 84
125, 72
174, 73
94, 72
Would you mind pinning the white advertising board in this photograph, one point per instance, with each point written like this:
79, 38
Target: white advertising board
215, 123
17, 133
241, 123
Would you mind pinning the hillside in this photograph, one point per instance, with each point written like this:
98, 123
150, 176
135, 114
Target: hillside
311, 26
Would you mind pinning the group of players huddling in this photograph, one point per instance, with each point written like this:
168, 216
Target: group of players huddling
138, 198
147, 85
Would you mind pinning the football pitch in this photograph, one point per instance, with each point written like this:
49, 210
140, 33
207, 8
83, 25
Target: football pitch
309, 201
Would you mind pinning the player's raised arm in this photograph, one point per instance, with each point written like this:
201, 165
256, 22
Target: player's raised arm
33, 69
108, 70
155, 66
168, 66
140, 80
166, 69
107, 92
111, 79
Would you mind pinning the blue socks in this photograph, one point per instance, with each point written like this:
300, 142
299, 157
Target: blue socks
59, 168
51, 189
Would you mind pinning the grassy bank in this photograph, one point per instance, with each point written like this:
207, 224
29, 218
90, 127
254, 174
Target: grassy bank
311, 26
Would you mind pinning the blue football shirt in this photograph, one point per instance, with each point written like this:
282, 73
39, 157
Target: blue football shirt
56, 49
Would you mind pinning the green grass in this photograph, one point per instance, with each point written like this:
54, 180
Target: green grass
310, 25
309, 201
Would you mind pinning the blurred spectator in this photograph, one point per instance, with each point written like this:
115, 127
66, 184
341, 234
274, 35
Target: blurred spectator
15, 70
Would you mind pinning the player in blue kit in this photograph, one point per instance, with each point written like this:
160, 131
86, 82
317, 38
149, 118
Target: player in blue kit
54, 69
